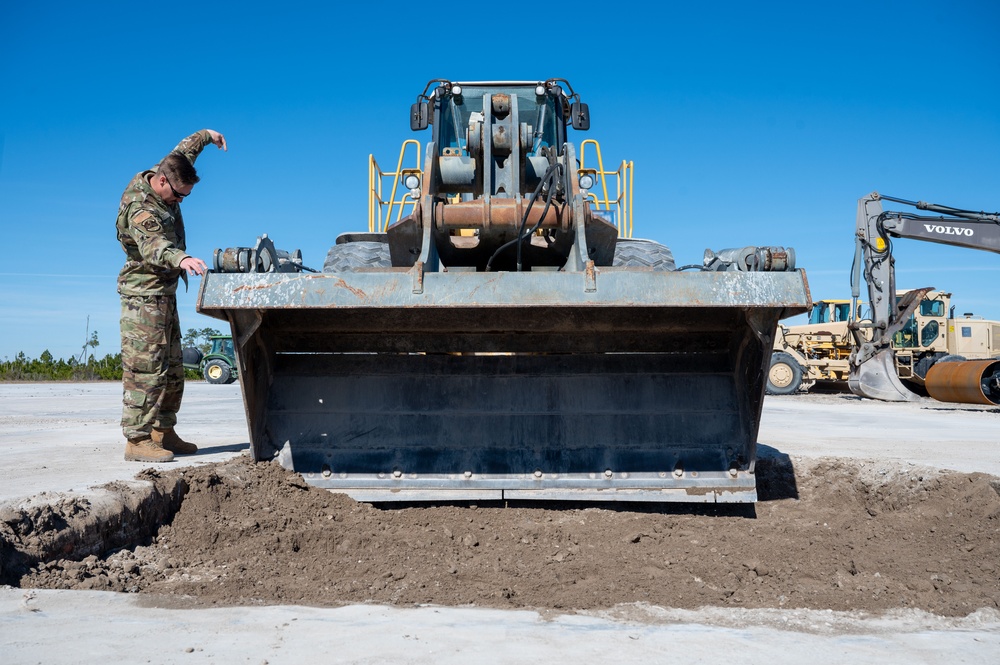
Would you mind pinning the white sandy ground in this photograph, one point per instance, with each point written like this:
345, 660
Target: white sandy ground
64, 438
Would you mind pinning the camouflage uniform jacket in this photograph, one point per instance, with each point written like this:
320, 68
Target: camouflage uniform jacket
151, 232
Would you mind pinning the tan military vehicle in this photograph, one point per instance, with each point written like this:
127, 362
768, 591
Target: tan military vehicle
819, 351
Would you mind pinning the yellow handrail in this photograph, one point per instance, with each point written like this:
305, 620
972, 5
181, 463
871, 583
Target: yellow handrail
624, 181
380, 209
376, 179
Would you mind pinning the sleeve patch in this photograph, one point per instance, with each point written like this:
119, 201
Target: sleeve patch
147, 221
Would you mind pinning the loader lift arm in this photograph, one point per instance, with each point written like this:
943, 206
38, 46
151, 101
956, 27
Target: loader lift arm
872, 372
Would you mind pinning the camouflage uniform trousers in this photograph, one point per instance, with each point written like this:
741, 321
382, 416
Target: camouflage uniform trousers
152, 365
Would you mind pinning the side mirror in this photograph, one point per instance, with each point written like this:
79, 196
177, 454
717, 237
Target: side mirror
580, 115
418, 116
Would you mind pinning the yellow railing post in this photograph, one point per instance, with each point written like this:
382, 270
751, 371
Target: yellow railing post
631, 190
372, 196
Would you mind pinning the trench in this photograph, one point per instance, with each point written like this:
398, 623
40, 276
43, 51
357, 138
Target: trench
116, 516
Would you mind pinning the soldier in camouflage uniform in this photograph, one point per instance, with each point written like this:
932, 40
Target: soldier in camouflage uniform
151, 231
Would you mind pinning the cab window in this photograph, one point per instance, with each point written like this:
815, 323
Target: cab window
931, 308
929, 333
906, 338
540, 113
819, 313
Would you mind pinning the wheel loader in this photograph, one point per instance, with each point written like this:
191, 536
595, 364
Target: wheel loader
506, 338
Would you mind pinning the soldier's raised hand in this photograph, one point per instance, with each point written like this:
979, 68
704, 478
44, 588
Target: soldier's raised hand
217, 138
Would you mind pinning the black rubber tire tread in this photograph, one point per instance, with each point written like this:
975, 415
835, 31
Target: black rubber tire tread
921, 366
636, 253
354, 255
191, 356
225, 377
793, 386
951, 358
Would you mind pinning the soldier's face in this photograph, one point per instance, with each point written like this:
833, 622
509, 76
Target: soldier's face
168, 192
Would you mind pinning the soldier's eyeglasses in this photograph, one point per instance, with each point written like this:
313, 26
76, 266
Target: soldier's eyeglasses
174, 191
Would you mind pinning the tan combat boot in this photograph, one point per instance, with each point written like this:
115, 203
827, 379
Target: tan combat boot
170, 441
146, 450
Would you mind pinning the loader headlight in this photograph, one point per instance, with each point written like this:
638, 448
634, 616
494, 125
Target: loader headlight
411, 181
540, 90
586, 181
456, 90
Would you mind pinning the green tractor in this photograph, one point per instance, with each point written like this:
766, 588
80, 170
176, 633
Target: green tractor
218, 365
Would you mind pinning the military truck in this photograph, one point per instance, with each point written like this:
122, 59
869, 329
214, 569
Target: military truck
218, 365
502, 336
818, 352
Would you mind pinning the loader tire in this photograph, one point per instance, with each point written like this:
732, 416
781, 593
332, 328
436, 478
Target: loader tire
218, 372
784, 376
636, 253
354, 255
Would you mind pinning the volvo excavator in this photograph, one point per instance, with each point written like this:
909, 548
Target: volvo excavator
506, 338
872, 366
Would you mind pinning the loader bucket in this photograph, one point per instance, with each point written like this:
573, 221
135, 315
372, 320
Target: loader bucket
395, 384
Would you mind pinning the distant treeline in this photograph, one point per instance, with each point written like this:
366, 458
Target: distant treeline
108, 368
47, 368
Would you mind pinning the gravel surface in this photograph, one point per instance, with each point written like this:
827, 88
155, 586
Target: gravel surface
874, 519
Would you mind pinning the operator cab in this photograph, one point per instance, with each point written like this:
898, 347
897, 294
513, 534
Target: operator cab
495, 139
541, 116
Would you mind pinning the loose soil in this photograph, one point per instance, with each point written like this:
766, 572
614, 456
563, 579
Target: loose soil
829, 534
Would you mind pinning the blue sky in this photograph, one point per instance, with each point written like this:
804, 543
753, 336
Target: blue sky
749, 124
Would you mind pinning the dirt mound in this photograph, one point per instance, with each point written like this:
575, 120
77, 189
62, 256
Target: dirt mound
832, 534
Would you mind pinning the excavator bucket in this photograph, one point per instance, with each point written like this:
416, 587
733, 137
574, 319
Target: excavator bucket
873, 371
608, 383
877, 379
